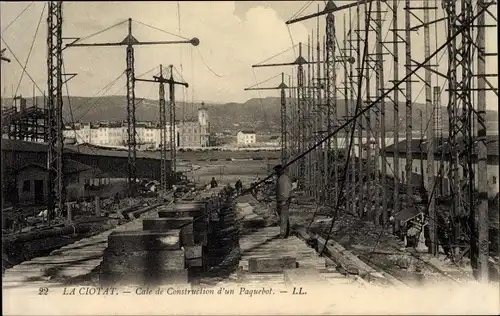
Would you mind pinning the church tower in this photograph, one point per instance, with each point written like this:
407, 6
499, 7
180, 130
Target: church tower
203, 115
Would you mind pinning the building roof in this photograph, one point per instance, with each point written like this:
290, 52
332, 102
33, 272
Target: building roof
69, 166
441, 146
247, 132
84, 149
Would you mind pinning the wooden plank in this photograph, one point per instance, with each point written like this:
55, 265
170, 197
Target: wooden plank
267, 265
301, 276
144, 240
193, 252
155, 260
191, 263
165, 224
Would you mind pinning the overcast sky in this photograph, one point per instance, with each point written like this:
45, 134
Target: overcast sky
233, 36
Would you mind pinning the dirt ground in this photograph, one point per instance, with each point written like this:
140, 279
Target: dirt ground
228, 172
382, 250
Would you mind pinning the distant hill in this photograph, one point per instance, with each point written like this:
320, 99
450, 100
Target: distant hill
262, 115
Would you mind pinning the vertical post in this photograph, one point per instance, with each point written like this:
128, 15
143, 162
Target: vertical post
69, 219
381, 159
438, 132
353, 109
293, 125
368, 165
429, 109
395, 48
307, 122
361, 169
97, 206
300, 116
483, 236
54, 108
132, 171
348, 183
163, 149
319, 114
284, 138
332, 104
173, 132
326, 146
409, 129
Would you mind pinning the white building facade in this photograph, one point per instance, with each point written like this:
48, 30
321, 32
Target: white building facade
188, 134
245, 138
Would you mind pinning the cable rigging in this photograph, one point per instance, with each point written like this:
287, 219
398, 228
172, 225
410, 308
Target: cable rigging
30, 49
17, 17
206, 65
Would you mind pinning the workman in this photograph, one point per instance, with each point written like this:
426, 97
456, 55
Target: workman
283, 198
213, 183
238, 186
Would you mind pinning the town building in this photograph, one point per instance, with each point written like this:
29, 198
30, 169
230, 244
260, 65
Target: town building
189, 134
245, 138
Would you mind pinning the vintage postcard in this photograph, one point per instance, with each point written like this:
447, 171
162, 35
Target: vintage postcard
250, 157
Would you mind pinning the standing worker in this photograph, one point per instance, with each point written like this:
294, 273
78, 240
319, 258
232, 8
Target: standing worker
238, 186
283, 197
213, 183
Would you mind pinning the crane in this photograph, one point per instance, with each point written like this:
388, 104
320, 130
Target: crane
130, 41
163, 119
283, 116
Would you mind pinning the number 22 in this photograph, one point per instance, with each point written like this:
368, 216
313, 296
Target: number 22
43, 291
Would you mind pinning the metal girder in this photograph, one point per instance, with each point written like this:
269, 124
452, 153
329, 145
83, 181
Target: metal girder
131, 141
331, 176
329, 10
301, 103
173, 132
460, 124
54, 106
130, 42
163, 131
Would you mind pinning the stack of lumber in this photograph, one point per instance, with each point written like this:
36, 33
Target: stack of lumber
224, 235
143, 258
188, 216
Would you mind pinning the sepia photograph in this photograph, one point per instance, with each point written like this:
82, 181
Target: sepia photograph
250, 157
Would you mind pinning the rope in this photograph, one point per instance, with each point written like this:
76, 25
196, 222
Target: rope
158, 29
291, 40
260, 98
15, 19
20, 64
100, 32
264, 80
356, 114
107, 88
31, 49
411, 73
286, 50
204, 63
302, 9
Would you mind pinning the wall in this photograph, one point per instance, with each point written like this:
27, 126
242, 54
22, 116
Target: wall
115, 167
31, 174
245, 139
493, 171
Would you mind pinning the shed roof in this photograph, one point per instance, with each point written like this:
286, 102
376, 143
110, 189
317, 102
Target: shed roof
69, 166
84, 149
441, 145
247, 132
